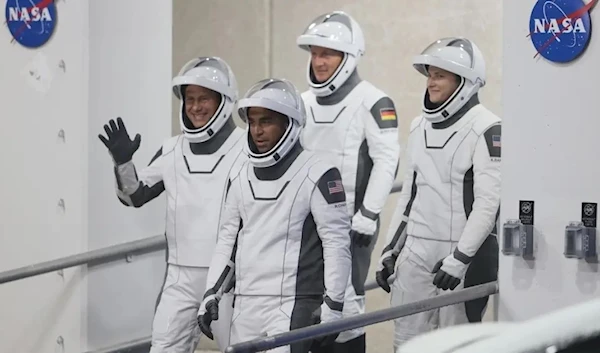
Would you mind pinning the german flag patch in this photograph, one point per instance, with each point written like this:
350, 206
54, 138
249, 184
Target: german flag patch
387, 114
384, 114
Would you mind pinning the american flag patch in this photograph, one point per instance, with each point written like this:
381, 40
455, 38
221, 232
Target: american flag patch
335, 186
496, 141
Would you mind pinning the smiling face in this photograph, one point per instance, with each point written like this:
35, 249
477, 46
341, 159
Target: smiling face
324, 62
200, 104
441, 84
266, 127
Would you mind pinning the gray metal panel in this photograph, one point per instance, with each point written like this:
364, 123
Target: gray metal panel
130, 76
121, 299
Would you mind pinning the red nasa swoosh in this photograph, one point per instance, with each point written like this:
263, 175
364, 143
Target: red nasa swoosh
574, 15
41, 5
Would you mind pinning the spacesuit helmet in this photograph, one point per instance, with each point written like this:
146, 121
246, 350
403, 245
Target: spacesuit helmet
212, 73
338, 31
281, 96
461, 57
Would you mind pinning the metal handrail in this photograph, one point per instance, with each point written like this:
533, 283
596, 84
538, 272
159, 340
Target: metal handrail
315, 331
145, 342
102, 255
98, 256
397, 187
371, 285
108, 254
137, 344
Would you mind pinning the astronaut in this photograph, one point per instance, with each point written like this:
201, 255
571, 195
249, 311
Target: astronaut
353, 124
292, 254
192, 168
442, 234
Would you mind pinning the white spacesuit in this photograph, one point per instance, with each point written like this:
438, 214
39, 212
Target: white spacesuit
293, 249
192, 168
353, 124
446, 214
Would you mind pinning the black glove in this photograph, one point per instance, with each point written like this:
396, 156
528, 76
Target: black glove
386, 270
324, 341
211, 314
319, 343
118, 143
449, 271
360, 239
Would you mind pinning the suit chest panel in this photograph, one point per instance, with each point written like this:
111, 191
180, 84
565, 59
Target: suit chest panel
280, 203
201, 176
330, 128
446, 154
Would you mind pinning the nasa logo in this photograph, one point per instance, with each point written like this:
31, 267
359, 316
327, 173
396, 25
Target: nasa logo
31, 22
560, 30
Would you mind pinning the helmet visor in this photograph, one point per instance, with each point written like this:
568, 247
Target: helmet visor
451, 54
221, 71
209, 72
277, 95
332, 30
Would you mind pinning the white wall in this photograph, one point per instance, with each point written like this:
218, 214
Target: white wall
130, 77
38, 169
549, 155
118, 63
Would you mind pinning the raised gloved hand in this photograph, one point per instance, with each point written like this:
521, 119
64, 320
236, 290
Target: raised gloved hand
117, 140
329, 311
387, 263
450, 270
364, 225
209, 312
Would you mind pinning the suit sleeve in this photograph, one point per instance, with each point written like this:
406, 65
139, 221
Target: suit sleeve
381, 131
396, 234
486, 192
330, 213
136, 190
222, 265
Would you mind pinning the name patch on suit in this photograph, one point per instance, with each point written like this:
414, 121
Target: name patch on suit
331, 187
